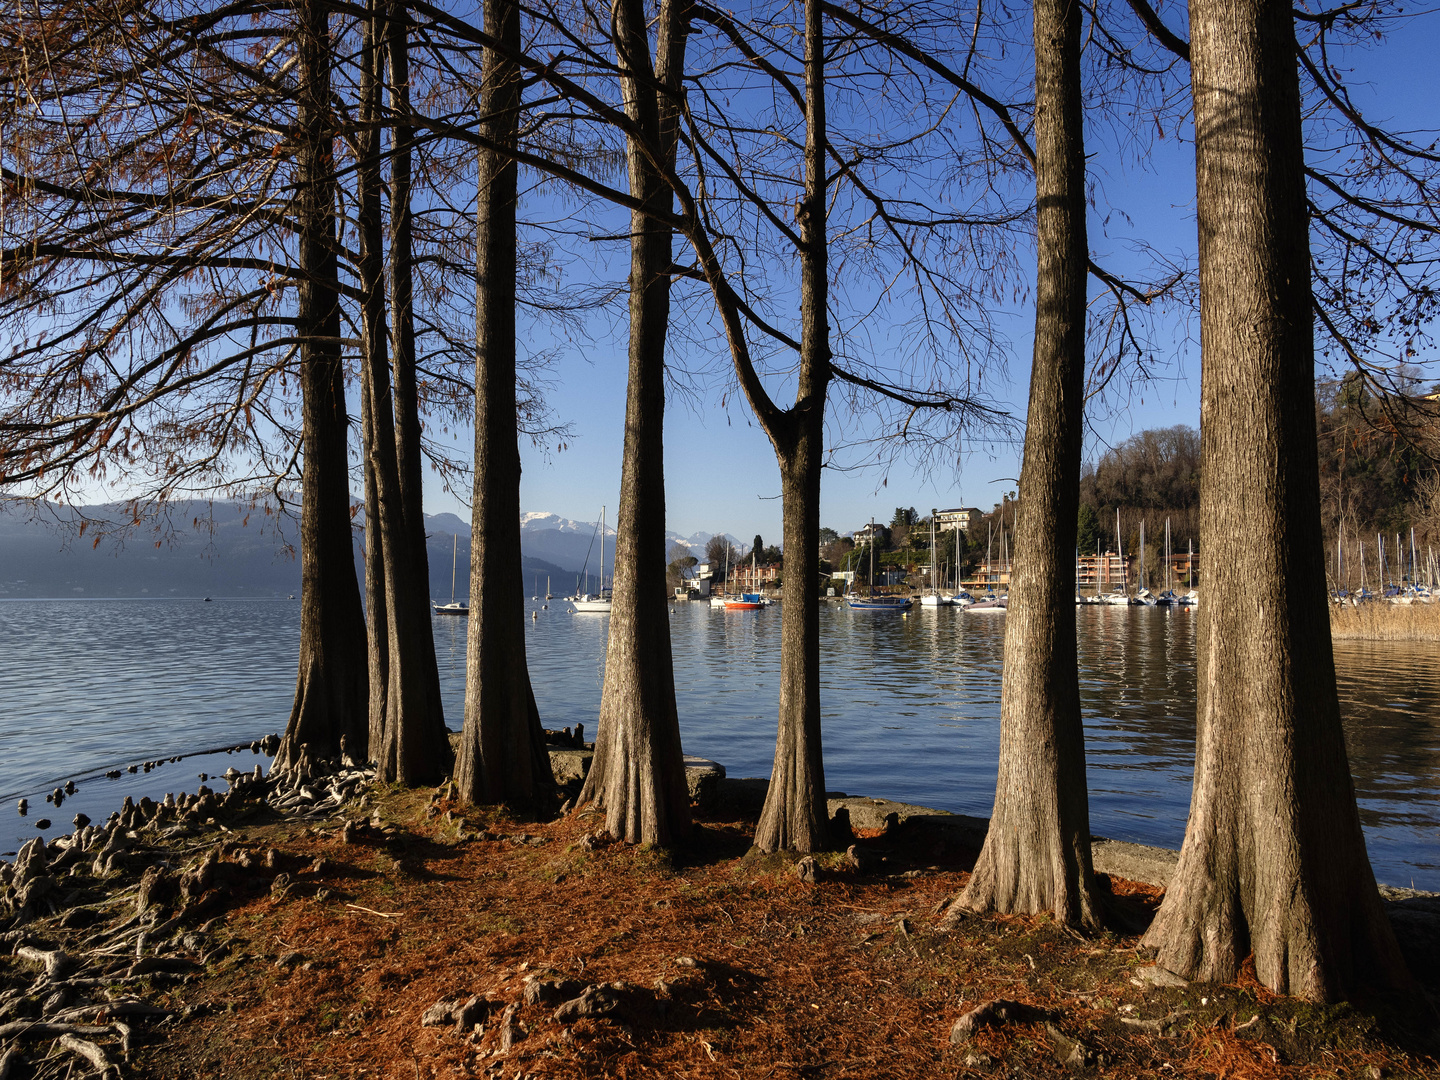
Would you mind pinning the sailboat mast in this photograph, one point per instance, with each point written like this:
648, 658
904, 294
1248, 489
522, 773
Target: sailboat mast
1120, 552
454, 556
1143, 582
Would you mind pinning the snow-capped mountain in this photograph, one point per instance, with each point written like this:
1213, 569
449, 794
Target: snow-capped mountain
556, 541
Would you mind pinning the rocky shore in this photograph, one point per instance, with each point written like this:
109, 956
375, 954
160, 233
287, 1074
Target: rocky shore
138, 945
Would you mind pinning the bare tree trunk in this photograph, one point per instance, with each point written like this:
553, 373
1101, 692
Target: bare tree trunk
377, 626
502, 750
408, 453
370, 214
408, 742
1274, 860
795, 816
329, 713
638, 773
1036, 855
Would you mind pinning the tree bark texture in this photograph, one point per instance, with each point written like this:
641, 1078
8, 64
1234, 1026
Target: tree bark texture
1036, 855
377, 632
1274, 860
409, 743
370, 213
638, 772
409, 455
502, 750
331, 694
795, 816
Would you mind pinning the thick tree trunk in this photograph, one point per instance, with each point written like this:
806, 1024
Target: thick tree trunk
502, 750
795, 816
408, 743
638, 773
329, 714
1036, 855
1274, 860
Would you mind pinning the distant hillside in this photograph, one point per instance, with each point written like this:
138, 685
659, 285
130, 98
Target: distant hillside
200, 549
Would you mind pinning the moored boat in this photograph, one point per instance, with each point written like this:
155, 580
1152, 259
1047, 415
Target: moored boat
881, 603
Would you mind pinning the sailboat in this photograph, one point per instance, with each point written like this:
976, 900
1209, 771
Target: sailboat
1143, 594
718, 599
934, 599
1118, 597
873, 602
454, 607
748, 601
599, 602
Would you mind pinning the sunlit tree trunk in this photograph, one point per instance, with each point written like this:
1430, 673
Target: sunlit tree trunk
1274, 863
502, 750
795, 816
638, 773
1036, 855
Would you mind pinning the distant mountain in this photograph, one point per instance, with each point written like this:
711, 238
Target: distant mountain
199, 549
226, 549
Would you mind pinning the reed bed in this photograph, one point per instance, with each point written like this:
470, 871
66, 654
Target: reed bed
1381, 621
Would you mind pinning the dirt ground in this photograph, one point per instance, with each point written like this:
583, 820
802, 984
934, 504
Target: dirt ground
731, 967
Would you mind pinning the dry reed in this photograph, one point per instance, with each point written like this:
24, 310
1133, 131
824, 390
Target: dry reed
1381, 621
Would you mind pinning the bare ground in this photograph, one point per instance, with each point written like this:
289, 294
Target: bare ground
731, 966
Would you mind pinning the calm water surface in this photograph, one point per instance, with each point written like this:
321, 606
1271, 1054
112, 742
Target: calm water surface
911, 706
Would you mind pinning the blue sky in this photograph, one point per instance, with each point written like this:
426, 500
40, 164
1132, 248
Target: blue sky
720, 470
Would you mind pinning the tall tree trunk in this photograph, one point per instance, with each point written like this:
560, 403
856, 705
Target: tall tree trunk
409, 456
329, 713
502, 750
1274, 860
795, 816
370, 212
638, 773
1036, 855
409, 742
377, 626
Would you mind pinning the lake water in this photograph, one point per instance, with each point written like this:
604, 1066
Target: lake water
911, 706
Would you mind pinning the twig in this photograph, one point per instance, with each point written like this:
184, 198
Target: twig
372, 911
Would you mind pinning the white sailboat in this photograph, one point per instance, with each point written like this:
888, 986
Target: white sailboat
600, 601
934, 599
717, 600
454, 607
1119, 596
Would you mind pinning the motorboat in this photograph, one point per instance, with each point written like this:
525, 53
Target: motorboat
991, 603
881, 603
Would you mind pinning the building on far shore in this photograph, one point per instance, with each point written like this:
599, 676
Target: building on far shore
961, 518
